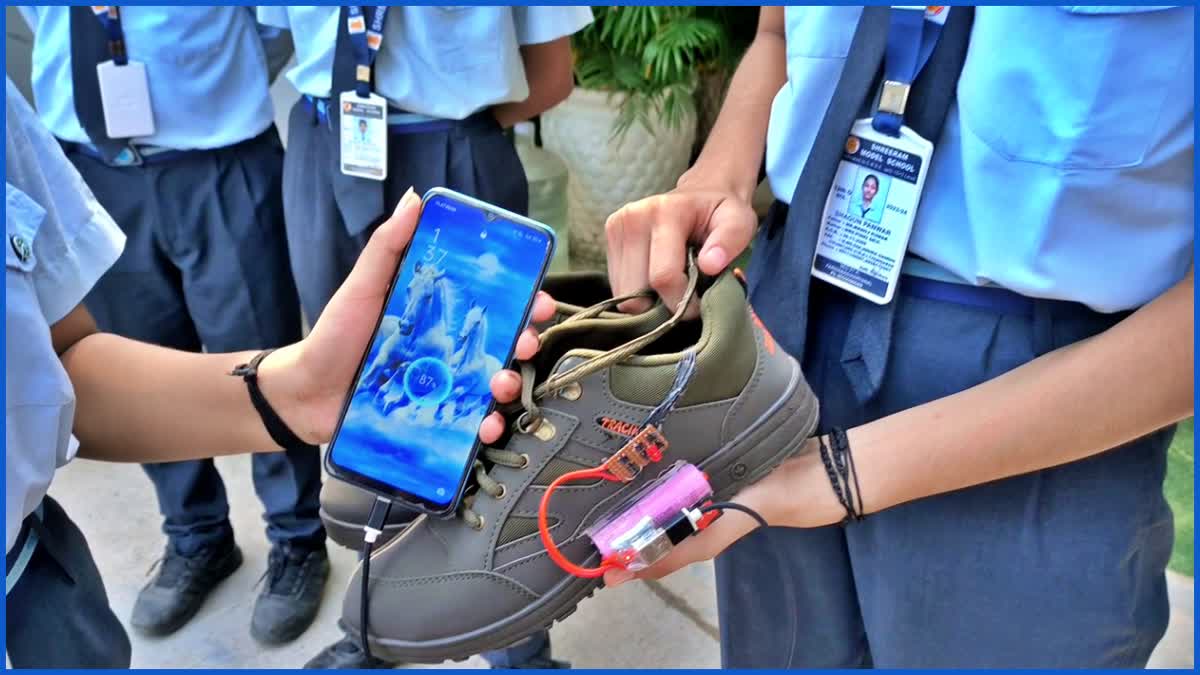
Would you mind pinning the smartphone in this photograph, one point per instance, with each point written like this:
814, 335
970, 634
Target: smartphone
462, 294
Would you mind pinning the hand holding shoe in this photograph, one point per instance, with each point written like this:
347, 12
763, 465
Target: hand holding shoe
648, 239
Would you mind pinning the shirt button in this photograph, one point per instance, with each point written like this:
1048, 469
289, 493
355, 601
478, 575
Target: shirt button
20, 247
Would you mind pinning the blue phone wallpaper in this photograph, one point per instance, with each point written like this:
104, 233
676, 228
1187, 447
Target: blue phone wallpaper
450, 323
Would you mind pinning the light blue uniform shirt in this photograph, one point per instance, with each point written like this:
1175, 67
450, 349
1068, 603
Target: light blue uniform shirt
206, 68
443, 62
59, 241
1065, 167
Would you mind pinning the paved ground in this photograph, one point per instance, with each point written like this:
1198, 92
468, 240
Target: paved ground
672, 624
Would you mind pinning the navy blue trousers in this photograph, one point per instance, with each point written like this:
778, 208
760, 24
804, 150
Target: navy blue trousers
58, 614
206, 266
475, 159
1058, 568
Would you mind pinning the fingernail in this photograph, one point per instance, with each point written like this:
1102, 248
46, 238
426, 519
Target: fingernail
407, 200
714, 259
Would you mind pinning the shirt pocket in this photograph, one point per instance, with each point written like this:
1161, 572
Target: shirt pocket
463, 37
1073, 87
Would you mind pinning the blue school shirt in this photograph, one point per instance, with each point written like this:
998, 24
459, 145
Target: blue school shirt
443, 62
1065, 166
206, 68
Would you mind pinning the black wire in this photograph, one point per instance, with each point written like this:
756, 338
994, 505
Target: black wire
785, 571
363, 611
376, 521
733, 506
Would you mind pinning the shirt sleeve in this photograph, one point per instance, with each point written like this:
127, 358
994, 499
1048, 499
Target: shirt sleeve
54, 223
536, 25
29, 13
273, 15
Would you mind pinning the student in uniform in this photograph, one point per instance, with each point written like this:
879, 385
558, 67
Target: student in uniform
453, 80
72, 390
1008, 412
205, 265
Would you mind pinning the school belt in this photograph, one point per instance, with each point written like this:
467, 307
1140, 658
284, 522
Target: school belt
136, 154
916, 282
402, 122
17, 558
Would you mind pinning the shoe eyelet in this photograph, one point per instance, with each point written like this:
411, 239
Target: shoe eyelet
524, 461
480, 526
524, 424
545, 431
503, 493
572, 392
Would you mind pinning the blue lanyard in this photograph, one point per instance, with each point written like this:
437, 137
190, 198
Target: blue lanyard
366, 44
110, 18
910, 41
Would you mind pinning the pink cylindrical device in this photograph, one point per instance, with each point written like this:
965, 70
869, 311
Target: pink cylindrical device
683, 486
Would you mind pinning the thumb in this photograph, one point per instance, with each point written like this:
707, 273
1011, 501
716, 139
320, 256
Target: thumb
377, 263
731, 227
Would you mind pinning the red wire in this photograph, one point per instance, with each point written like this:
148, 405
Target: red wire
544, 525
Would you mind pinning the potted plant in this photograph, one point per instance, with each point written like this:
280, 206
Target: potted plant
628, 129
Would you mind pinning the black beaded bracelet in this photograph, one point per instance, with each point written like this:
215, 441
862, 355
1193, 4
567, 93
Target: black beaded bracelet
835, 480
845, 463
280, 432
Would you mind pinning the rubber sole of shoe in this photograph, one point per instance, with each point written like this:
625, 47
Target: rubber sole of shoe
776, 436
234, 561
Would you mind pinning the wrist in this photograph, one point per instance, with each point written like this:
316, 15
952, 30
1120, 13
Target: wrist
701, 178
799, 493
289, 390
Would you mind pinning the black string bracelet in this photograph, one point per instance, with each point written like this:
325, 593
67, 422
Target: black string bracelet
834, 480
844, 460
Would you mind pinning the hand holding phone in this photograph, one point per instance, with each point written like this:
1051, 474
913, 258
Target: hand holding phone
460, 299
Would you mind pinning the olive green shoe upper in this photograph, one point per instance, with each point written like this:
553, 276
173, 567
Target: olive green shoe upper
448, 588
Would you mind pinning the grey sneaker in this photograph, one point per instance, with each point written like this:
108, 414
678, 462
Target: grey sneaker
482, 580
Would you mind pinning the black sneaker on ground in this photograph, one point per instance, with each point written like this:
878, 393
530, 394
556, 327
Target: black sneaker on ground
174, 596
346, 654
294, 583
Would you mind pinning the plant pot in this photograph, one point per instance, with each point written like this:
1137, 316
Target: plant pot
607, 172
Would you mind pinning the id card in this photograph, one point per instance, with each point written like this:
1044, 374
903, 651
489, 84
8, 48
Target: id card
125, 99
869, 213
364, 135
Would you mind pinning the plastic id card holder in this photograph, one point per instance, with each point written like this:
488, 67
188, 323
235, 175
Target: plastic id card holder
125, 99
870, 209
364, 135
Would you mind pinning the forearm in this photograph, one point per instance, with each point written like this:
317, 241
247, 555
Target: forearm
548, 72
1067, 405
733, 154
136, 402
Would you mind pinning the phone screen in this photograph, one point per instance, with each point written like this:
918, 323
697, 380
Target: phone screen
459, 302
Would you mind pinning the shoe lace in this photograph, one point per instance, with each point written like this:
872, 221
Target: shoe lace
528, 413
285, 565
173, 567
